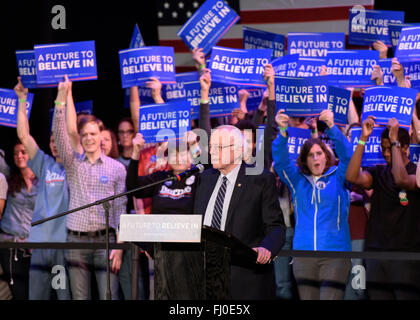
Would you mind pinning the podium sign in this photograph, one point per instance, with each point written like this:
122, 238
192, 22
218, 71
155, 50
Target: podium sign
160, 228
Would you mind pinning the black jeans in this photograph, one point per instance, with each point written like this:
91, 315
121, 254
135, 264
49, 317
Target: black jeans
15, 264
393, 279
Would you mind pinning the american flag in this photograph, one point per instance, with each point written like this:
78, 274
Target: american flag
278, 16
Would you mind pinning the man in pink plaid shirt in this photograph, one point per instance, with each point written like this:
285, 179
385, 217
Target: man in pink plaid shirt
91, 176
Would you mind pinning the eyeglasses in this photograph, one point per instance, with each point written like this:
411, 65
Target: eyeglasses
217, 147
128, 132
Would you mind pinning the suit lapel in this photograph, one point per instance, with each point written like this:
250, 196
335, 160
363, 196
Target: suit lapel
236, 195
208, 186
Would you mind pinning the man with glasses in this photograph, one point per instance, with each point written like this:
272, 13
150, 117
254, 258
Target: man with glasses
244, 205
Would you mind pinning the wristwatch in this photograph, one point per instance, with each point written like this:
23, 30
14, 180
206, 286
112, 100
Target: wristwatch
396, 143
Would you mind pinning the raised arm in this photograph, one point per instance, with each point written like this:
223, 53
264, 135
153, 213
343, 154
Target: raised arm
134, 106
342, 145
353, 174
23, 131
71, 119
271, 116
402, 179
284, 167
61, 136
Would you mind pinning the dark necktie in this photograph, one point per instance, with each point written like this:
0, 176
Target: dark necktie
218, 205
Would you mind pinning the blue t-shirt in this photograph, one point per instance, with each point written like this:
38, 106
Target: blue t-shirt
53, 198
17, 216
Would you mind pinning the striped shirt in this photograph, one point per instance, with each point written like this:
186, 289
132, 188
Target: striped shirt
89, 182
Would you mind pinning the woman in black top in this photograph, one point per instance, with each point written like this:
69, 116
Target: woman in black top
173, 262
178, 268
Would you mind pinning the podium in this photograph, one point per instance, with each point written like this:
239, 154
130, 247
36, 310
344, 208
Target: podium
220, 250
212, 253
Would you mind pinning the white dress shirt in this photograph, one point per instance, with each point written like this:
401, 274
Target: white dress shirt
230, 185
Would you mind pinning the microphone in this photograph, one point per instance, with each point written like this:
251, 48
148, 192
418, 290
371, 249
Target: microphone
199, 168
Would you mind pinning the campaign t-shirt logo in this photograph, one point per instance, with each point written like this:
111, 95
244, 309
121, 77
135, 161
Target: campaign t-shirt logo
168, 183
104, 179
321, 185
190, 180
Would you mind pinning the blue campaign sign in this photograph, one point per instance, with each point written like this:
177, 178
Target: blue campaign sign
315, 45
395, 32
301, 97
25, 60
177, 91
388, 77
223, 98
168, 120
309, 67
84, 107
408, 47
386, 102
139, 64
412, 69
255, 95
352, 68
415, 152
77, 60
135, 42
239, 67
372, 154
368, 26
286, 66
259, 39
338, 103
208, 25
296, 139
136, 38
9, 107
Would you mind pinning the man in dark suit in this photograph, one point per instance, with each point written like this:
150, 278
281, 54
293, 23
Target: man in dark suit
244, 205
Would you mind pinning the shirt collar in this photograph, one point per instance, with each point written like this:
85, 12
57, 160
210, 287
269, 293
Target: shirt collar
99, 160
231, 176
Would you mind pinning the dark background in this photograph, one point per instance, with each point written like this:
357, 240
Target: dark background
110, 23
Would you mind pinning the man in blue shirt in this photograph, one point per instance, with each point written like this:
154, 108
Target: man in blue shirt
48, 269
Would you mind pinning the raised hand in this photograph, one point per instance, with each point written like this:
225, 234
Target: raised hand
198, 56
20, 90
282, 119
377, 75
382, 48
367, 128
328, 117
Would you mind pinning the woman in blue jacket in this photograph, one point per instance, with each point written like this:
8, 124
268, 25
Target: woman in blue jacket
321, 202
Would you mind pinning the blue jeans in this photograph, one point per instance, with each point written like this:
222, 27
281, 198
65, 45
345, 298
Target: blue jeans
125, 275
350, 293
80, 263
283, 271
41, 275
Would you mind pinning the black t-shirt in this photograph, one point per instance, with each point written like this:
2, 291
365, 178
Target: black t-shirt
391, 225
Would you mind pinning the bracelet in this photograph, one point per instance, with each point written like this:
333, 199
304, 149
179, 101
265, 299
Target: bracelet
283, 129
202, 101
23, 100
362, 142
59, 103
202, 66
